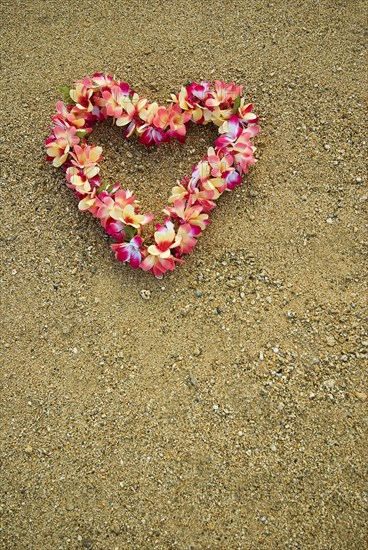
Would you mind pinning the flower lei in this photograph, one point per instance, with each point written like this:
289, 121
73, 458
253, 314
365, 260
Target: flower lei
187, 215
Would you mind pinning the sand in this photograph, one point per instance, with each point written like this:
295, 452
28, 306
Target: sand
224, 407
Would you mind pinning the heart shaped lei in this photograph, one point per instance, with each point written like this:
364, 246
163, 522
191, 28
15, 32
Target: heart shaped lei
187, 215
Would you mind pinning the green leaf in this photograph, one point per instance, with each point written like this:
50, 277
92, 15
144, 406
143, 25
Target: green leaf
130, 232
101, 188
81, 133
188, 83
110, 187
236, 104
105, 187
65, 92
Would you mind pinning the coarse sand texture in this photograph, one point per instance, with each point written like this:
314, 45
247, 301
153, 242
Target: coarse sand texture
222, 407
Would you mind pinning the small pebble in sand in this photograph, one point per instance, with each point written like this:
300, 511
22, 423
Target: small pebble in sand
192, 379
330, 341
360, 395
145, 294
69, 505
115, 528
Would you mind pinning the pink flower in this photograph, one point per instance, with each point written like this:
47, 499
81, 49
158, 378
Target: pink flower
108, 208
69, 117
183, 99
158, 265
130, 217
219, 162
81, 95
116, 99
149, 113
123, 197
203, 191
89, 203
215, 185
165, 240
245, 113
161, 118
243, 152
59, 148
86, 156
177, 121
174, 118
189, 102
206, 199
86, 82
199, 91
201, 172
223, 93
78, 179
187, 213
115, 229
103, 81
205, 195
231, 130
178, 192
159, 258
121, 207
232, 178
187, 236
132, 107
151, 135
129, 252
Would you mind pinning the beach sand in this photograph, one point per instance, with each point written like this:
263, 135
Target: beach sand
224, 407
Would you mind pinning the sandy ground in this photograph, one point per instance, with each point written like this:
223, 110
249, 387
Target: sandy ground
226, 411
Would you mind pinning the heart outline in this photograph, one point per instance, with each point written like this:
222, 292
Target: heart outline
95, 99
